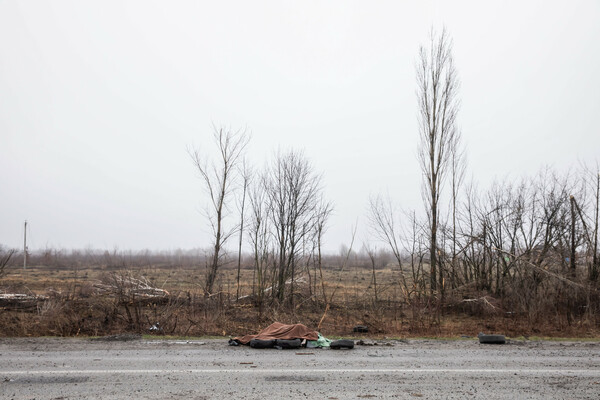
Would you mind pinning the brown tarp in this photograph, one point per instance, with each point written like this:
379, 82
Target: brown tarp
278, 330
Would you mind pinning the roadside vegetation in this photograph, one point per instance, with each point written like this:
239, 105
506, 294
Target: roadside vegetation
98, 293
520, 257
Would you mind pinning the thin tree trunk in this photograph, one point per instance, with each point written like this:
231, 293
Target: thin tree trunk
572, 259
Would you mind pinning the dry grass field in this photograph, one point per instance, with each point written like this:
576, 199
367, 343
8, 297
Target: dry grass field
163, 299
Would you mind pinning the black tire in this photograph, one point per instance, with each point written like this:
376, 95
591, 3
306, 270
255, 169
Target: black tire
262, 344
342, 344
491, 339
288, 343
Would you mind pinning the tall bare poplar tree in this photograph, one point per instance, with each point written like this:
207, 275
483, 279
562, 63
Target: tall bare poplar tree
438, 106
219, 178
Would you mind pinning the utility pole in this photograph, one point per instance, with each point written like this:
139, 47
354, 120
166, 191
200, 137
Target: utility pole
25, 246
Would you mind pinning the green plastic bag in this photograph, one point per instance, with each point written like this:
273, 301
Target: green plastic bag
320, 342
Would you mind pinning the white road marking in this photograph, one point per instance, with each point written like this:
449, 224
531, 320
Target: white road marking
586, 372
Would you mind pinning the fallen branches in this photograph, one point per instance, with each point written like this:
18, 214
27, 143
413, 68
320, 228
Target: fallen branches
128, 288
483, 300
20, 300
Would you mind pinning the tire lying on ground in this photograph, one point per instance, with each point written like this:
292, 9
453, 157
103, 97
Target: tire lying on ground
288, 343
342, 344
262, 344
491, 339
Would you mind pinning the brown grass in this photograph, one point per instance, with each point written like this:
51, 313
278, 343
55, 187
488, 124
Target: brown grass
74, 307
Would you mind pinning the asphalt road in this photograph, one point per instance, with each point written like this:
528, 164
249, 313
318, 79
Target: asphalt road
84, 369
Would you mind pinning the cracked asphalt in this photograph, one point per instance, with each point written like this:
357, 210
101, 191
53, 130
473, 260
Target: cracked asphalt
73, 368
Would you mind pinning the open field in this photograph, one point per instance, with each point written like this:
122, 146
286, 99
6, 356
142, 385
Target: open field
99, 300
209, 369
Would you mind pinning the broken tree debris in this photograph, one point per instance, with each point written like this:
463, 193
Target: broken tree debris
130, 289
21, 300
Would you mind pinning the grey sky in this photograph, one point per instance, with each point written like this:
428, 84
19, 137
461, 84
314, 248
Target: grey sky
99, 100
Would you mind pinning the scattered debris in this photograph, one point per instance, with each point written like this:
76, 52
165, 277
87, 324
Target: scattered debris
362, 342
321, 342
342, 344
20, 300
360, 329
487, 301
156, 328
491, 339
126, 337
128, 288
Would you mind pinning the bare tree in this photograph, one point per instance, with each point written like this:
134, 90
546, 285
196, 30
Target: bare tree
246, 175
5, 256
457, 172
592, 179
260, 238
384, 224
372, 254
321, 217
294, 193
219, 179
595, 264
438, 106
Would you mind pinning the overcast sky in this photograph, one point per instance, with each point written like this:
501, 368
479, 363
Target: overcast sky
100, 100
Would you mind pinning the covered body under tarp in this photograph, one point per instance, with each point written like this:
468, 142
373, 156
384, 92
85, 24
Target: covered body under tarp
278, 330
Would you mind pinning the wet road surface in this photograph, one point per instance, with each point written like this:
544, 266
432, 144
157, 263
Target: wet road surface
48, 368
